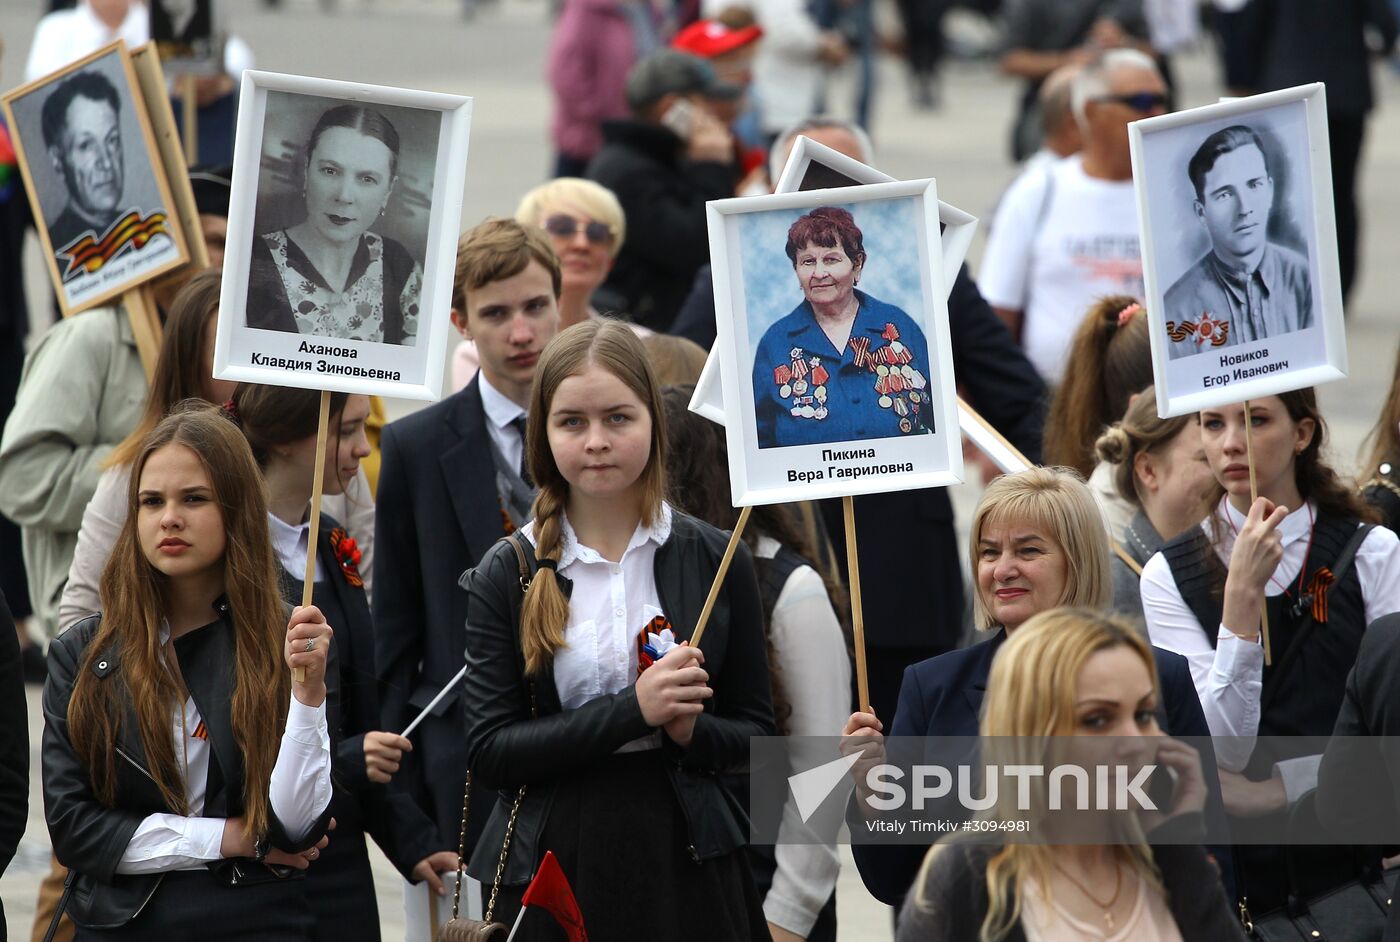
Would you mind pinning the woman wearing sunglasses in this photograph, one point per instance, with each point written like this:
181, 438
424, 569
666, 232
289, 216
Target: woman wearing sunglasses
586, 226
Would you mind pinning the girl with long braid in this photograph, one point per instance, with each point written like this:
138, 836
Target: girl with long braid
601, 728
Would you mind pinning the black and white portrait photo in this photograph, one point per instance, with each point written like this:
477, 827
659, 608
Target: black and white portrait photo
186, 33
1239, 246
1246, 286
89, 159
342, 220
833, 341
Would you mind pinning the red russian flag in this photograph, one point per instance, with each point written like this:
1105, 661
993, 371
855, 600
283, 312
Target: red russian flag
550, 891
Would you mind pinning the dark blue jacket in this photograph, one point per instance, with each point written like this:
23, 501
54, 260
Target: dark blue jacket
846, 406
942, 696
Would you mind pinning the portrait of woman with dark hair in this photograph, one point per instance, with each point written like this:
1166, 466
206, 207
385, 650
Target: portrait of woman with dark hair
330, 275
843, 365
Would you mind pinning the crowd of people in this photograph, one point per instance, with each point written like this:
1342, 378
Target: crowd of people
216, 757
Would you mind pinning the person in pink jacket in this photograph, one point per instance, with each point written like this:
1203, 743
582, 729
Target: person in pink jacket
594, 45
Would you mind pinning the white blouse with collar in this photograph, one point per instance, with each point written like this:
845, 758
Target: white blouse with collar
1229, 677
610, 605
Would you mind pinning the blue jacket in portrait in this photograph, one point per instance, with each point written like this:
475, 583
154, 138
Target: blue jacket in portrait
807, 392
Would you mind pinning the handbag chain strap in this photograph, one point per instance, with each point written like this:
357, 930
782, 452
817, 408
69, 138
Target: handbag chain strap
467, 789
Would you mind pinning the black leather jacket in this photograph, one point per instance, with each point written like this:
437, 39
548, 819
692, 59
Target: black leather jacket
507, 749
89, 837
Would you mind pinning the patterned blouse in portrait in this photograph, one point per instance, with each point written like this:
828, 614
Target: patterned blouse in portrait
380, 301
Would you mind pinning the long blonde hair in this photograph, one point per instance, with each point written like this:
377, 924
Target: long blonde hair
1031, 695
613, 347
1057, 502
133, 609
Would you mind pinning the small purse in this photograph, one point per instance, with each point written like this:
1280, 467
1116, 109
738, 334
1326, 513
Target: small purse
458, 928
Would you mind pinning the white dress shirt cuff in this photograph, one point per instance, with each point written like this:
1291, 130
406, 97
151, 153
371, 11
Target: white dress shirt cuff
1299, 775
1237, 661
165, 842
301, 780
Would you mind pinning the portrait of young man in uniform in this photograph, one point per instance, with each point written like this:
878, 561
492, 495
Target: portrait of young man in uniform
1246, 287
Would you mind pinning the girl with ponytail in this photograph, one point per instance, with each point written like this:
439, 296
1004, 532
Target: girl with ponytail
601, 728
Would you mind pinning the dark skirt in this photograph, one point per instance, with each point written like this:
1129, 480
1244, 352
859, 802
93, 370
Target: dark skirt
340, 886
619, 834
192, 904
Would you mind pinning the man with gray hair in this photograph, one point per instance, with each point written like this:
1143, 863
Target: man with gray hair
1069, 234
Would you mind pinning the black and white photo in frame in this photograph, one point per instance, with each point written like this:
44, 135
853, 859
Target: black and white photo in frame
832, 340
1243, 288
90, 163
342, 236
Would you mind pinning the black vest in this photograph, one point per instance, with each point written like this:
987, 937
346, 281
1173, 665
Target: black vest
1301, 696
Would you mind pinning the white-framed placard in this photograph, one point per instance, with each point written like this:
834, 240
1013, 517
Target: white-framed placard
1239, 249
869, 407
95, 179
342, 236
814, 166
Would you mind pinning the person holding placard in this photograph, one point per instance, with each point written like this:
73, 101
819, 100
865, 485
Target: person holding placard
1037, 542
280, 425
843, 365
599, 726
173, 822
329, 275
1301, 551
451, 483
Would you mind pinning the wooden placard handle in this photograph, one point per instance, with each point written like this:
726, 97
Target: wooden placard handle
1253, 496
141, 310
734, 539
848, 509
189, 117
318, 480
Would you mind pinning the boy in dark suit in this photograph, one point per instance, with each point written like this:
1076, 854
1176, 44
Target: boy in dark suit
451, 483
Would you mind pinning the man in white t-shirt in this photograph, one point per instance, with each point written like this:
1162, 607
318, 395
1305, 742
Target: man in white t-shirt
1066, 234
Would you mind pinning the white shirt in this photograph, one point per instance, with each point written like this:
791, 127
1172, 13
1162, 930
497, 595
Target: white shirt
610, 605
1060, 240
299, 792
289, 544
1229, 678
810, 650
67, 35
500, 412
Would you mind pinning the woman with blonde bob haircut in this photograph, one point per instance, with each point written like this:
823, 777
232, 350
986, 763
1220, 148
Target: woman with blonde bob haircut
1078, 673
587, 707
1037, 543
586, 226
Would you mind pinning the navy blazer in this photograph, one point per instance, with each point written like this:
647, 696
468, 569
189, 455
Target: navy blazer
942, 696
436, 513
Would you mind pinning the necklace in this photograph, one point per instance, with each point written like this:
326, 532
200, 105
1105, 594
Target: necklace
1106, 907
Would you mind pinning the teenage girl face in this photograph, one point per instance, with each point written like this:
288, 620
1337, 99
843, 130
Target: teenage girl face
178, 522
342, 458
348, 179
1277, 442
1021, 571
600, 433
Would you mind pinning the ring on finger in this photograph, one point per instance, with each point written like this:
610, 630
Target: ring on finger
310, 644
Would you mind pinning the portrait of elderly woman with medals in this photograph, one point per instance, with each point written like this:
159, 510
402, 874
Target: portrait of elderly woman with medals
843, 365
330, 275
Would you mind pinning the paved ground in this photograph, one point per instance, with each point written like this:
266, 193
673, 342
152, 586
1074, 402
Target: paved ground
498, 59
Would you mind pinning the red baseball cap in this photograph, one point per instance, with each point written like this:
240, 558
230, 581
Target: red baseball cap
710, 38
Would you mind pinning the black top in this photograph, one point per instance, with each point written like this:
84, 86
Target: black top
663, 197
1383, 493
14, 746
952, 900
507, 748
